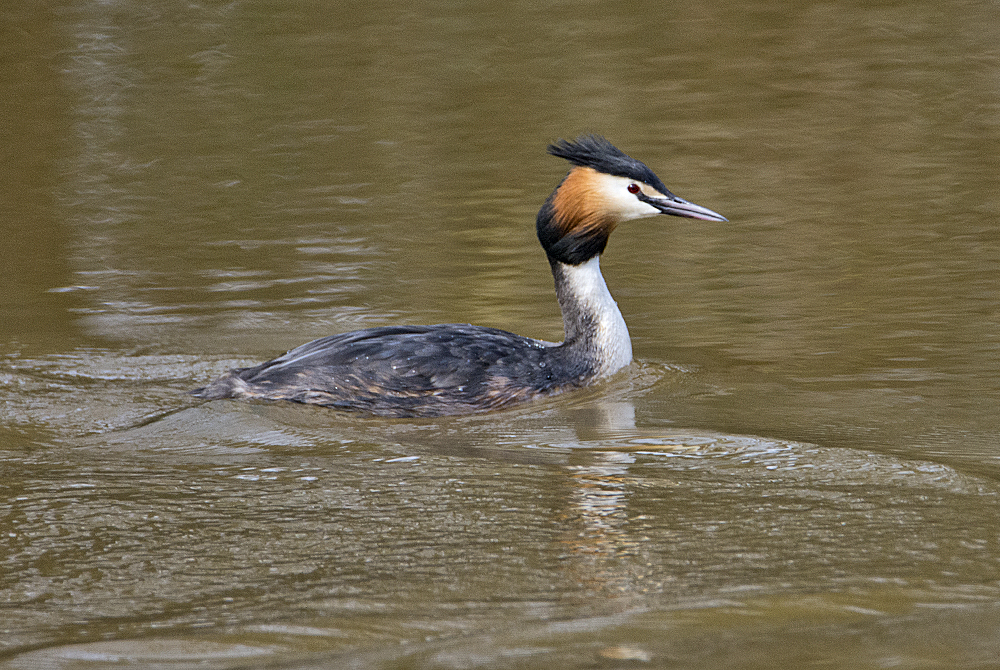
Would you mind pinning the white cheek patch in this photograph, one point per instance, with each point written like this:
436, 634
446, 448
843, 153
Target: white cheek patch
616, 197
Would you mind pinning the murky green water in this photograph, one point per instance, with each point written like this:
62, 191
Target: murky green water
800, 469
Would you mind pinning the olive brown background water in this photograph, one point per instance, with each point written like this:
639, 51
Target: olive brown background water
801, 468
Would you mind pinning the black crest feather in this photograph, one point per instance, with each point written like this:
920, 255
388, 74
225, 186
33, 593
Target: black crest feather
596, 152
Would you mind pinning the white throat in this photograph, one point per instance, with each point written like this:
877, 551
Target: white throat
591, 316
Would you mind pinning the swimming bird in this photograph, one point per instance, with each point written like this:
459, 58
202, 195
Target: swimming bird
448, 369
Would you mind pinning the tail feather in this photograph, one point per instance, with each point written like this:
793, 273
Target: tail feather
228, 385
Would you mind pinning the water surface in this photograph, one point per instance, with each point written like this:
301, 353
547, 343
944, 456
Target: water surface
800, 468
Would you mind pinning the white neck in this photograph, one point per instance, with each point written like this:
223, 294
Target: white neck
591, 318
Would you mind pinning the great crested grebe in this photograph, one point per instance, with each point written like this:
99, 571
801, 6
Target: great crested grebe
424, 371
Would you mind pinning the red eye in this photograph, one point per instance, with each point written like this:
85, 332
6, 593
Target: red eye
633, 188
